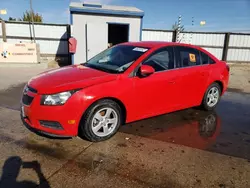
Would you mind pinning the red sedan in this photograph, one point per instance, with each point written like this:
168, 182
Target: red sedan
125, 83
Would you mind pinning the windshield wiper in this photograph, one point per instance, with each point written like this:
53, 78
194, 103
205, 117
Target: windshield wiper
100, 68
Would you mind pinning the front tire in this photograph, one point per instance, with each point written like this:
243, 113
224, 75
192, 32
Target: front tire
101, 121
211, 97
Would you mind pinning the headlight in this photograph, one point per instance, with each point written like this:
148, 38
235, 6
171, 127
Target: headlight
57, 99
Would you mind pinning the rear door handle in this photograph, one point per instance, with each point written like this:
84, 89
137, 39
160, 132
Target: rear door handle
203, 73
172, 82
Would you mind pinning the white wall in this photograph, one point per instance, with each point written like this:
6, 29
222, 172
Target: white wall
42, 31
238, 54
79, 24
239, 40
51, 38
148, 35
217, 52
205, 40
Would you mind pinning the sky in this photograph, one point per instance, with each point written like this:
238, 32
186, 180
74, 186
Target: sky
220, 15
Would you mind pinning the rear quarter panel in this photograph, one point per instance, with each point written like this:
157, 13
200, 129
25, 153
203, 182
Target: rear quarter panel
218, 73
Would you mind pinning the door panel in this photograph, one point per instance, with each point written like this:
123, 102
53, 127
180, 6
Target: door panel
158, 93
97, 38
194, 76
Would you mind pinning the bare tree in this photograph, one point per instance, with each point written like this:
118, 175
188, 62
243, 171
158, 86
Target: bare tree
175, 27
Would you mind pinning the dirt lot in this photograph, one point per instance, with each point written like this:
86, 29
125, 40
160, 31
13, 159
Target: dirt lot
190, 148
240, 78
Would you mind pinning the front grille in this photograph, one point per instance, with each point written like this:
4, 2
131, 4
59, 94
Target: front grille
32, 89
27, 100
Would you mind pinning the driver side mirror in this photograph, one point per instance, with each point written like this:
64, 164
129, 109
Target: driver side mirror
146, 70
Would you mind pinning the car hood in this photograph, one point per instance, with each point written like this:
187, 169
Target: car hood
68, 78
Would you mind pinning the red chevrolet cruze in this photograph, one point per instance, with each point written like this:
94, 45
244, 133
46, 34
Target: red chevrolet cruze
125, 83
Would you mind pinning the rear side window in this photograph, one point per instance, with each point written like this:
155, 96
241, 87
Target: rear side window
188, 57
204, 58
211, 61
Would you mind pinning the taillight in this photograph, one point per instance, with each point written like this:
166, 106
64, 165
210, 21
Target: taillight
227, 66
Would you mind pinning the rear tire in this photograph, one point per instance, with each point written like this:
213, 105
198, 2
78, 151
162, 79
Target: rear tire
211, 97
101, 121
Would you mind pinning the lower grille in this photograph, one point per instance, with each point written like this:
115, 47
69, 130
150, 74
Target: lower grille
27, 100
51, 124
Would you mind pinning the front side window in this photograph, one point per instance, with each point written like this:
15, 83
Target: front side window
161, 60
188, 56
116, 59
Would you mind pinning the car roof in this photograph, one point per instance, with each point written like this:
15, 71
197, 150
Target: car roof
157, 44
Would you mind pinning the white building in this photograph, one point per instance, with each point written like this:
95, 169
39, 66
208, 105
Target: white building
95, 26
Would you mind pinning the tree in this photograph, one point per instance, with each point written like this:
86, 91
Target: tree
175, 27
27, 17
12, 19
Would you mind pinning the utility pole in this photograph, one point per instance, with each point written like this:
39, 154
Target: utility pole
3, 12
179, 29
32, 20
191, 34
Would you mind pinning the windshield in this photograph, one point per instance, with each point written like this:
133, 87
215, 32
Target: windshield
116, 59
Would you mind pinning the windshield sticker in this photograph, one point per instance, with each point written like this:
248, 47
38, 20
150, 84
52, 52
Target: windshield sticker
81, 67
140, 49
192, 58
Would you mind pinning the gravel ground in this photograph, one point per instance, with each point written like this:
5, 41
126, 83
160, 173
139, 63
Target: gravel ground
12, 76
240, 77
165, 151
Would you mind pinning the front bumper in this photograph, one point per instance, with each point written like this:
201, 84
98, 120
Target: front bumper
34, 115
39, 132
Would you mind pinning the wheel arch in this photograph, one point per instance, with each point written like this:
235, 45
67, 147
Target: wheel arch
119, 102
220, 84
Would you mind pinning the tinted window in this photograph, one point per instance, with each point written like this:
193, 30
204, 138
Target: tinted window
204, 58
188, 56
161, 60
211, 61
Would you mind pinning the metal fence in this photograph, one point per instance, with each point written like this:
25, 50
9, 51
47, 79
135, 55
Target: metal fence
52, 38
225, 46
